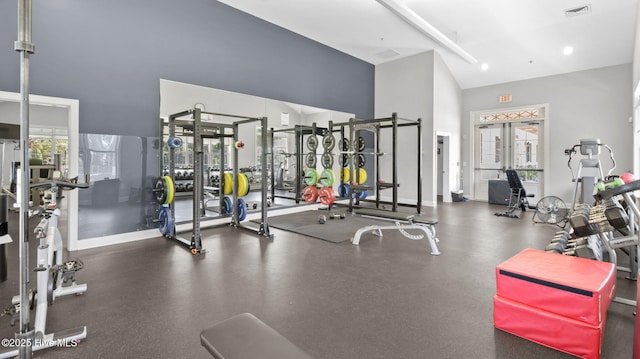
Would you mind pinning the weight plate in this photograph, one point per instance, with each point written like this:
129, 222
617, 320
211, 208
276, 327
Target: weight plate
243, 185
327, 160
327, 196
228, 183
310, 194
345, 144
361, 144
343, 190
312, 143
363, 195
362, 160
242, 210
346, 174
327, 178
328, 141
170, 189
174, 142
311, 177
362, 176
227, 205
345, 159
311, 159
160, 190
165, 221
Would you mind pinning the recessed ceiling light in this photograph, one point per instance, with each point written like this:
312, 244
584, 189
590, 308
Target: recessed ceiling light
484, 67
568, 50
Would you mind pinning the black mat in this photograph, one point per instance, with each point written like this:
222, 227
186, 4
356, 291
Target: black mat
334, 230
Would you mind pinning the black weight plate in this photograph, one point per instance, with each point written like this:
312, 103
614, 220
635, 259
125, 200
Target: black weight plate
345, 160
362, 160
311, 160
312, 143
328, 141
160, 190
345, 144
361, 144
327, 160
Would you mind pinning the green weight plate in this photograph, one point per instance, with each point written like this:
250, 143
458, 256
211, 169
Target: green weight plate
311, 177
327, 178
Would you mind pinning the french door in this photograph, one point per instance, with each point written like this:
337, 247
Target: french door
508, 145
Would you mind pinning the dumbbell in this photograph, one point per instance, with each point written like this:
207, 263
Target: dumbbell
616, 182
336, 215
188, 187
322, 219
617, 216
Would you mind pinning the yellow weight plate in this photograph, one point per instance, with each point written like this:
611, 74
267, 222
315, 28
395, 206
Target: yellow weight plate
170, 189
243, 185
363, 175
345, 175
228, 183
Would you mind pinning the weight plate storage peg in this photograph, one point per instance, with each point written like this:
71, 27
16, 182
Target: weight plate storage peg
174, 142
327, 160
165, 221
312, 143
310, 194
327, 196
311, 177
242, 210
328, 141
327, 178
311, 159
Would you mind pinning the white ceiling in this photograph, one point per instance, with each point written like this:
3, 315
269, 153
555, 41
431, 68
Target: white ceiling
518, 39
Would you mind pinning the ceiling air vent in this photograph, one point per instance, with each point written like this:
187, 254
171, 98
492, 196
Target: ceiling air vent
387, 54
581, 10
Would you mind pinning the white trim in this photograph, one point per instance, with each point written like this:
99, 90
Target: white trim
121, 238
73, 107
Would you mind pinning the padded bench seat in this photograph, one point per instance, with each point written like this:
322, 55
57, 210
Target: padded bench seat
385, 214
244, 336
425, 220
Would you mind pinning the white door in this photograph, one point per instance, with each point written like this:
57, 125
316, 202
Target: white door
509, 145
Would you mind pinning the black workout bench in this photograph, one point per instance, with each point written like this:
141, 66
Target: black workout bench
403, 221
244, 336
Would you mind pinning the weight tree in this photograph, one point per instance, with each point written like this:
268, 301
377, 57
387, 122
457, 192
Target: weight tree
374, 126
191, 121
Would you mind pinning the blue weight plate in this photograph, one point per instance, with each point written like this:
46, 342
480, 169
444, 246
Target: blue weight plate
242, 210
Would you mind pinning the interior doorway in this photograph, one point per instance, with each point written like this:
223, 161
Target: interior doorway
443, 168
512, 139
43, 109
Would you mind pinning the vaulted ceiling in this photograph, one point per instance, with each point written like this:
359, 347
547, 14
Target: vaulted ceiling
516, 40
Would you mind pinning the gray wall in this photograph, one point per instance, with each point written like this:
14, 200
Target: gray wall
111, 54
586, 104
420, 86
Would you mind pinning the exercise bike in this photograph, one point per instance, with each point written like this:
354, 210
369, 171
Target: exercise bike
54, 277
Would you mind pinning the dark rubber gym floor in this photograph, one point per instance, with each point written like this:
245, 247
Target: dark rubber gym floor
387, 298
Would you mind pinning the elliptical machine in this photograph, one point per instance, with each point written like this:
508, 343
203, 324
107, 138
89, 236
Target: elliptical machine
54, 277
589, 147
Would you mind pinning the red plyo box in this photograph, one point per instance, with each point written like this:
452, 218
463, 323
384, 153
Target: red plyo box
572, 287
568, 335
